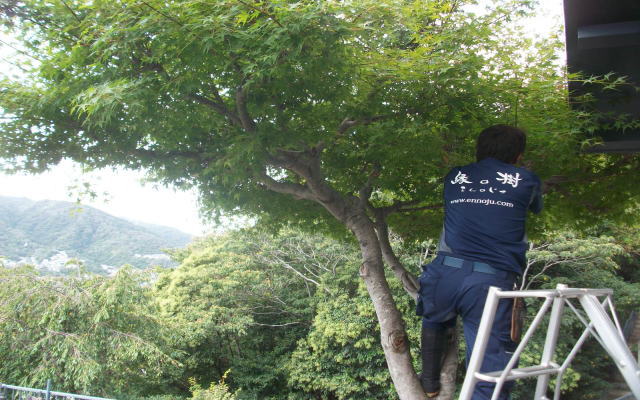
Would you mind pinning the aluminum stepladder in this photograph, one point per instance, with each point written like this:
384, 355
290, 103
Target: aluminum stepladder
597, 322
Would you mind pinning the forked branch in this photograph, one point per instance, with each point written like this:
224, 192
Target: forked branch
300, 192
241, 107
349, 123
219, 107
409, 281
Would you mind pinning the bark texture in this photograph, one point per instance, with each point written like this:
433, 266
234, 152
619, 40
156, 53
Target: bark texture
409, 281
392, 330
449, 367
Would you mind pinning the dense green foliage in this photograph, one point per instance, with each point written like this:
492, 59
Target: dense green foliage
340, 358
90, 334
215, 95
242, 301
40, 230
249, 316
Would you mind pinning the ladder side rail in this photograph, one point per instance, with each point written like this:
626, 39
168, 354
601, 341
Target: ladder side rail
579, 292
572, 354
540, 293
616, 347
589, 326
482, 338
567, 293
525, 340
609, 302
604, 327
550, 343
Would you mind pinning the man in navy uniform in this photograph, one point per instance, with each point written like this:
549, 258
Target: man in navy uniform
483, 244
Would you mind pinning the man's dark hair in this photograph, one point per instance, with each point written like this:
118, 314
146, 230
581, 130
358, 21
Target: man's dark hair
502, 142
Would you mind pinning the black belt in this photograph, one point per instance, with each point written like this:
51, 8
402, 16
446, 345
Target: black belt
476, 266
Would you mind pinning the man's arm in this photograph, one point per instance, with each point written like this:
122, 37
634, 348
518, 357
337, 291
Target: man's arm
535, 204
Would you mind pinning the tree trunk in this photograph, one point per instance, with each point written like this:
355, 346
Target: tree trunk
409, 281
411, 286
392, 330
449, 367
351, 211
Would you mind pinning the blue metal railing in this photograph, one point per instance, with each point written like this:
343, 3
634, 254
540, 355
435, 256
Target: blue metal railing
11, 392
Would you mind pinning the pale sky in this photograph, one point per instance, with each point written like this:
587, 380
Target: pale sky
120, 193
123, 194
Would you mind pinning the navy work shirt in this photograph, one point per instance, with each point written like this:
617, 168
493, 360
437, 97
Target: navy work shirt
486, 205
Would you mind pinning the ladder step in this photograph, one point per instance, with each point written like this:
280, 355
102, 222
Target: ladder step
518, 373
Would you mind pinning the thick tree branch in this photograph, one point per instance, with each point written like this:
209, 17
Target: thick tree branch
405, 206
449, 367
349, 123
216, 95
218, 104
396, 206
298, 191
349, 210
241, 107
365, 191
306, 164
553, 183
409, 281
220, 108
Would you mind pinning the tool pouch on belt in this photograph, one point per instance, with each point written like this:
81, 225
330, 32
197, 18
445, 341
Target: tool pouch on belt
517, 318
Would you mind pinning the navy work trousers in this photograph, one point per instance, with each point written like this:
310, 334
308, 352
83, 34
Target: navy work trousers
446, 292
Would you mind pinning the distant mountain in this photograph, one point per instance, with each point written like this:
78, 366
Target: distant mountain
48, 233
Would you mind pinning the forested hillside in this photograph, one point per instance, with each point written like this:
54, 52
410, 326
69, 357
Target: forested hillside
43, 232
271, 316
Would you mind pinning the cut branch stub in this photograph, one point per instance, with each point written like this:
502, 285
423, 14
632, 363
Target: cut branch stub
364, 270
397, 340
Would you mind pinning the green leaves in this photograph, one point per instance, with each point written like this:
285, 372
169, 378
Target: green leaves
262, 317
579, 261
87, 333
217, 391
99, 105
340, 357
155, 85
240, 301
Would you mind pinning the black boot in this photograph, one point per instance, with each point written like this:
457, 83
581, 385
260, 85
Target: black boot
433, 347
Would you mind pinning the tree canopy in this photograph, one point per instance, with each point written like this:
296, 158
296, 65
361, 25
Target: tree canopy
218, 95
358, 108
